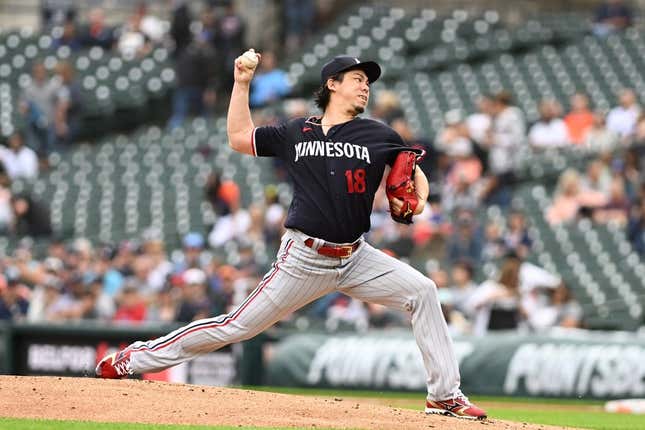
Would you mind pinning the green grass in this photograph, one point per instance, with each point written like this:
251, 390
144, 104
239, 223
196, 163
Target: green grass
27, 424
597, 420
580, 413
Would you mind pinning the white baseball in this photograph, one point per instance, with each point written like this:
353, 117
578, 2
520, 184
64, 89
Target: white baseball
249, 59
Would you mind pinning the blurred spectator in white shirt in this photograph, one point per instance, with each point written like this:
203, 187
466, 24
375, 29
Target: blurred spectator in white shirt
550, 131
507, 137
480, 122
96, 32
599, 137
19, 160
496, 303
597, 177
622, 119
463, 286
560, 310
233, 225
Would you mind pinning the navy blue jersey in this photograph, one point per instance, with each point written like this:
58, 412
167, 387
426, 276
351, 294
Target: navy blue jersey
335, 176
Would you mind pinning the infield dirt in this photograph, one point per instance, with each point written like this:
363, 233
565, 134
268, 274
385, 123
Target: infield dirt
88, 399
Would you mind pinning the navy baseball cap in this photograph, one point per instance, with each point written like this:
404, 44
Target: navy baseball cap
343, 63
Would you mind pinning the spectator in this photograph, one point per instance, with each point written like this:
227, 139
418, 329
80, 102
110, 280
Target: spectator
639, 133
463, 287
164, 308
156, 265
611, 16
516, 238
633, 164
230, 31
432, 230
387, 107
19, 160
382, 317
459, 195
597, 178
233, 225
561, 310
195, 303
44, 299
346, 311
68, 106
494, 246
180, 26
37, 104
600, 138
479, 126
133, 41
496, 304
622, 119
550, 131
616, 209
150, 25
69, 37
105, 268
213, 194
579, 120
195, 77
31, 218
465, 243
270, 83
506, 138
96, 32
440, 277
76, 303
569, 199
6, 208
223, 291
636, 227
192, 255
399, 241
131, 306
13, 307
454, 142
299, 18
53, 12
480, 122
274, 216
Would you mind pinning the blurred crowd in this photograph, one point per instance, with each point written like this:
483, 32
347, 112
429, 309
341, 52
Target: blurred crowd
203, 37
471, 164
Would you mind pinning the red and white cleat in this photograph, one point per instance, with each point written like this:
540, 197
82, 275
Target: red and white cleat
115, 365
459, 407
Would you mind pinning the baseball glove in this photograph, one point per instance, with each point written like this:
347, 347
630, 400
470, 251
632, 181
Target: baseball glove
400, 185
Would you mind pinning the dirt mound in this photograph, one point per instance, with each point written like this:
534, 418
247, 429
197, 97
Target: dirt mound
88, 399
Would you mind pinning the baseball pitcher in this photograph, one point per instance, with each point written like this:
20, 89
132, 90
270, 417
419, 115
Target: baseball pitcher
335, 162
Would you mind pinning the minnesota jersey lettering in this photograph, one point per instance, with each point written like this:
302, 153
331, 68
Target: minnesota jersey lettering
318, 148
327, 167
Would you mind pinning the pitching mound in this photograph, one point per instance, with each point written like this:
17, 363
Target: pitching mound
87, 399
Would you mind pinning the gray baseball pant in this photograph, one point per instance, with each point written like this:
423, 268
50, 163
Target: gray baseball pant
299, 276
